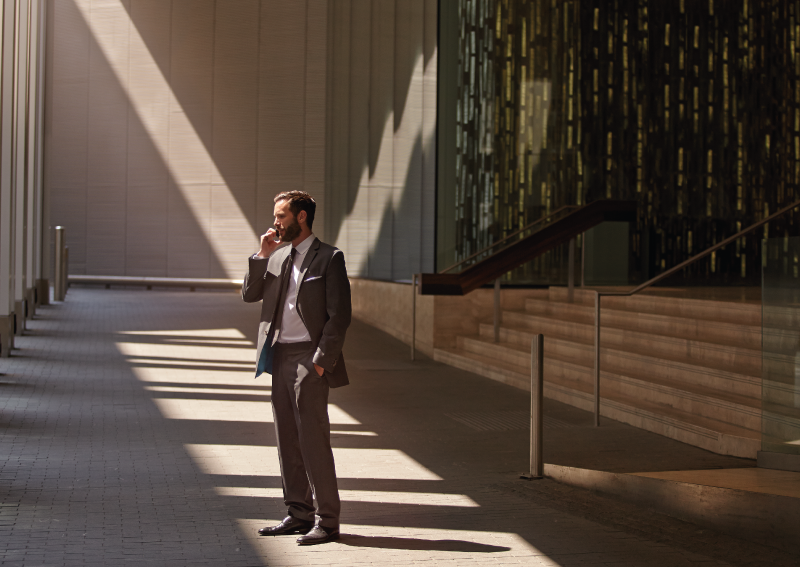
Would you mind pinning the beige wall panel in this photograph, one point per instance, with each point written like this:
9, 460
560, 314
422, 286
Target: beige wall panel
105, 229
107, 145
191, 80
337, 198
147, 173
430, 59
191, 61
338, 115
315, 112
189, 214
68, 127
281, 142
235, 129
230, 230
381, 137
354, 237
407, 148
235, 133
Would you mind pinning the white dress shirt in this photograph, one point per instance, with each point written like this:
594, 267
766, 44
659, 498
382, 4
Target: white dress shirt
293, 330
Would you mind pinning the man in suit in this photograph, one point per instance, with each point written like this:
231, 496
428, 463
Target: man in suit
305, 313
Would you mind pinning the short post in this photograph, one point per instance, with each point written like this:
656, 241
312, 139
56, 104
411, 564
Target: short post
497, 311
571, 270
583, 260
58, 282
597, 359
65, 275
537, 409
413, 316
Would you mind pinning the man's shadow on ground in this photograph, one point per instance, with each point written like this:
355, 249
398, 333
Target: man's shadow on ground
386, 542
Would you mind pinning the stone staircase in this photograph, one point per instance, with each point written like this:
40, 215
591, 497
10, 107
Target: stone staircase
689, 369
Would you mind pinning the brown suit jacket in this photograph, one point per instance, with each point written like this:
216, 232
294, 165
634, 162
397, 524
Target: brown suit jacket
323, 302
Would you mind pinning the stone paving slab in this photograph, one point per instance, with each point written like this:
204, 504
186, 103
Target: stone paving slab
132, 432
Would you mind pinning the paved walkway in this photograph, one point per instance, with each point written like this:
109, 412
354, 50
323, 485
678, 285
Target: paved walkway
132, 432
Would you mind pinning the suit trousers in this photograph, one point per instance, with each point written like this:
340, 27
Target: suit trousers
303, 432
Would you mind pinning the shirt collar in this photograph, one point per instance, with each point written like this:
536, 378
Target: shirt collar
303, 247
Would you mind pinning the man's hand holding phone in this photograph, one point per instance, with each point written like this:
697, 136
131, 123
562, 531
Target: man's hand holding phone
268, 243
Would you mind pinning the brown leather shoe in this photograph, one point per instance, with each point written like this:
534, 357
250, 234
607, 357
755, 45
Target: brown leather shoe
289, 525
318, 534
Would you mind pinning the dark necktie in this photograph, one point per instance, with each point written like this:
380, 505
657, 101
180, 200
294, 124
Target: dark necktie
286, 275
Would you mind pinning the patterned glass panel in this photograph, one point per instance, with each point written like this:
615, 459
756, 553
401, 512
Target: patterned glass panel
691, 108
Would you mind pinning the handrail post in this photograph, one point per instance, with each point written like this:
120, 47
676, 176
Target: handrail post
58, 280
537, 408
413, 316
571, 270
497, 311
65, 278
583, 259
597, 359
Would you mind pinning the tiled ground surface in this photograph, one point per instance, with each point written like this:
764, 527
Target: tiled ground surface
132, 432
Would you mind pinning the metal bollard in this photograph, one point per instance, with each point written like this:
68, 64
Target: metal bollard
413, 316
571, 271
497, 311
537, 408
597, 297
65, 275
58, 280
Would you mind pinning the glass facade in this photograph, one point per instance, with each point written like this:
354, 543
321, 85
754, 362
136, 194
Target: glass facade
689, 107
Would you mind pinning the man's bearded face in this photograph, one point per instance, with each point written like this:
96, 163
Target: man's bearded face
291, 231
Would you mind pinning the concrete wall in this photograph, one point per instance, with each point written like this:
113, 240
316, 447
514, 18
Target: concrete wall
382, 151
173, 123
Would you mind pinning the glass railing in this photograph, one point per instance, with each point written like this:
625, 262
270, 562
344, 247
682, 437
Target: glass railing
473, 258
780, 363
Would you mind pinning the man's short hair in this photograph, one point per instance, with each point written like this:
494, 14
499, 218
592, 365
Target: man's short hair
299, 201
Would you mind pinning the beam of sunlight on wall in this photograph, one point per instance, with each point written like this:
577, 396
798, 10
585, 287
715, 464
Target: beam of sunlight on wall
181, 148
380, 215
350, 463
383, 497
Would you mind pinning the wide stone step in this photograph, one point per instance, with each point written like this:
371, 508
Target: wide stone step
703, 353
738, 335
696, 430
626, 362
692, 398
654, 302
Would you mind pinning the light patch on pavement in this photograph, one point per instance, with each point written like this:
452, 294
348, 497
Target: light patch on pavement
200, 374
219, 341
186, 354
361, 433
248, 460
234, 410
239, 366
191, 390
423, 498
200, 333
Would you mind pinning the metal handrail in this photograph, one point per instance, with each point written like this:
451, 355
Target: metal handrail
656, 279
512, 235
